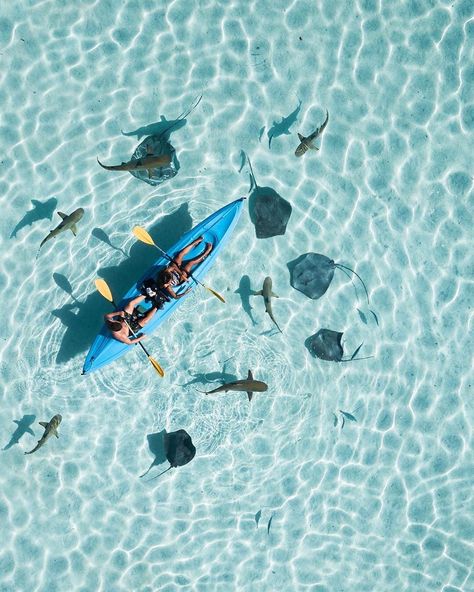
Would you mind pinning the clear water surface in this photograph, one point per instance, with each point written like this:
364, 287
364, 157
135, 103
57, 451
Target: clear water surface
383, 504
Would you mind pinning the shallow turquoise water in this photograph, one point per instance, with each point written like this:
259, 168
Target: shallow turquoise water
385, 504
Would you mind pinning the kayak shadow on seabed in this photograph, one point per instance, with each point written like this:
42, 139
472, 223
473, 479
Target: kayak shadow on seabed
84, 319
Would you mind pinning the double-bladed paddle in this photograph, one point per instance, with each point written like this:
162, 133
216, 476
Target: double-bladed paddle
104, 290
144, 237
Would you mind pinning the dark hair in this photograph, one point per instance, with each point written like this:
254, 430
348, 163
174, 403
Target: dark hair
113, 325
163, 277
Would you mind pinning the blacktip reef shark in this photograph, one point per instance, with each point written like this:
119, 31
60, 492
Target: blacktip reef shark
308, 142
267, 294
150, 161
146, 163
50, 428
68, 223
247, 385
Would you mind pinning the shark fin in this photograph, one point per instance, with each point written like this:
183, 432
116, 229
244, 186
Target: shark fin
250, 395
259, 293
44, 424
30, 431
56, 433
74, 229
249, 376
149, 173
301, 137
275, 295
62, 214
312, 147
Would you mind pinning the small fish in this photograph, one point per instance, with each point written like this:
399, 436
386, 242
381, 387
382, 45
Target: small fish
269, 524
248, 385
69, 222
260, 133
307, 143
50, 428
375, 317
363, 318
348, 415
258, 515
357, 351
243, 158
335, 420
267, 294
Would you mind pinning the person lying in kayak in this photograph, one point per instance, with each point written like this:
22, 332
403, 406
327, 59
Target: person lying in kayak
178, 272
119, 321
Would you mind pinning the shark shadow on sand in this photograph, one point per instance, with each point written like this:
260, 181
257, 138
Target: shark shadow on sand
83, 320
23, 427
269, 212
283, 127
42, 210
99, 234
245, 291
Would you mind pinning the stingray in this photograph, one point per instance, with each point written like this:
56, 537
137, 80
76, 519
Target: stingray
269, 212
326, 345
312, 273
41, 211
157, 146
179, 450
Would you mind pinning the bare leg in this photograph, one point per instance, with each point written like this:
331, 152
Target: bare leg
149, 315
192, 262
179, 257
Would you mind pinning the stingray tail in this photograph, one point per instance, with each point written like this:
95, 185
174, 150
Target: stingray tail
182, 116
252, 176
162, 473
149, 469
341, 267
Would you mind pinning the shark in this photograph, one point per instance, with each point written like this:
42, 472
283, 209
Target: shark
307, 143
69, 222
146, 163
50, 428
267, 294
247, 385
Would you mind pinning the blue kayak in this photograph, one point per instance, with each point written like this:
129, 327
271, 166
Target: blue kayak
216, 229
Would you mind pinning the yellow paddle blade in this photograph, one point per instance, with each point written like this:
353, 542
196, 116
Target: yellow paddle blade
157, 367
103, 288
142, 235
215, 293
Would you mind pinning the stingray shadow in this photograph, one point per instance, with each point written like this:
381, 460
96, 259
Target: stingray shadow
83, 320
156, 444
41, 210
245, 291
99, 234
163, 128
283, 127
23, 426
